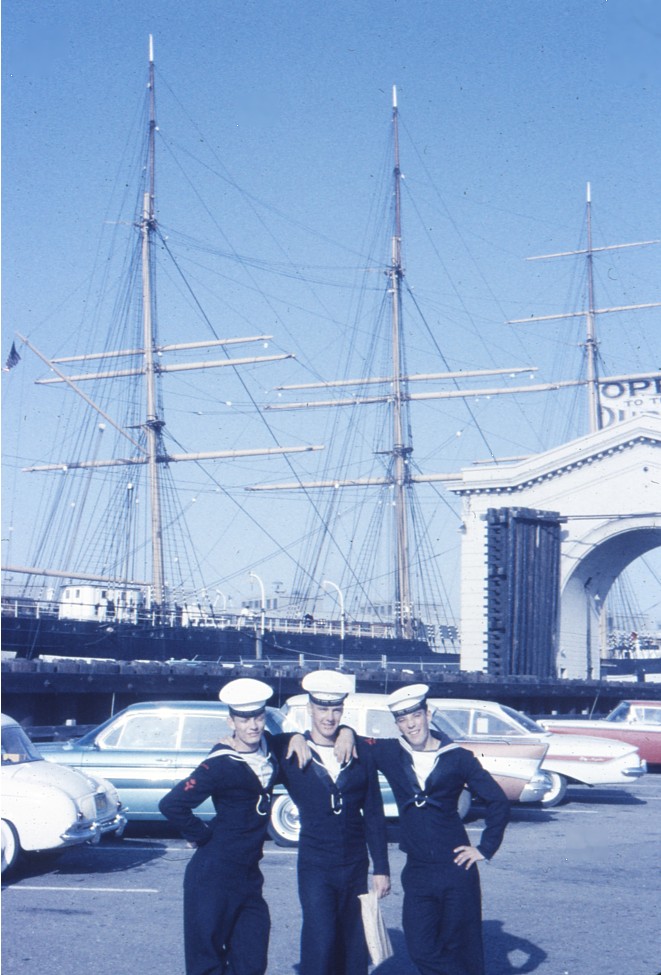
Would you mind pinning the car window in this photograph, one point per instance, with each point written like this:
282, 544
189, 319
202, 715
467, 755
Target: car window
460, 717
143, 731
17, 747
380, 724
491, 724
651, 715
202, 731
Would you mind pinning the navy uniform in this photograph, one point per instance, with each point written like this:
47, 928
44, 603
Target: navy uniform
226, 919
342, 816
442, 912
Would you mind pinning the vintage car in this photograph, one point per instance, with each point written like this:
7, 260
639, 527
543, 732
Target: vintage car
635, 722
570, 758
514, 765
146, 749
47, 806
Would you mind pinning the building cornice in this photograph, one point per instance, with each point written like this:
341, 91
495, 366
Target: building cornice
594, 448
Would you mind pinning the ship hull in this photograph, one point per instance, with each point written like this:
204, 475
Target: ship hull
30, 638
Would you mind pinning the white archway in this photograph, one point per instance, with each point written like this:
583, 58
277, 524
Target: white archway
586, 580
606, 486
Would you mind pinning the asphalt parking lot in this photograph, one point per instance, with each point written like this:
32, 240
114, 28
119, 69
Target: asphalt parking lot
574, 890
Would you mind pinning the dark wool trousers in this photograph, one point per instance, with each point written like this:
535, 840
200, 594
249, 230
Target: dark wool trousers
226, 919
442, 918
332, 936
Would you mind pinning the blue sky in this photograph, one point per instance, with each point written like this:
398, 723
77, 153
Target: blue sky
507, 109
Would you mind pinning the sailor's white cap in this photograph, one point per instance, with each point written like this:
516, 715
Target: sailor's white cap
408, 699
327, 687
246, 696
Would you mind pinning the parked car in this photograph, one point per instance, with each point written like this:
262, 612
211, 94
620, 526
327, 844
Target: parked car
47, 806
147, 748
514, 765
570, 758
638, 723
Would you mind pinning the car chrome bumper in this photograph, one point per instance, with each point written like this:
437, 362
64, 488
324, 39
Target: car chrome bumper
115, 825
92, 832
635, 773
536, 789
89, 832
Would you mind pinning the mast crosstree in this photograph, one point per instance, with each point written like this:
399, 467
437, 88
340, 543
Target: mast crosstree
591, 343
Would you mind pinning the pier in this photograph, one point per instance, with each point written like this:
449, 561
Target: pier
70, 692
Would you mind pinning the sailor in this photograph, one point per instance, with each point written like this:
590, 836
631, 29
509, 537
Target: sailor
427, 771
342, 817
226, 919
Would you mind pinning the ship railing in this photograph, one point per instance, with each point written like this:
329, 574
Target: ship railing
319, 626
23, 607
314, 626
33, 608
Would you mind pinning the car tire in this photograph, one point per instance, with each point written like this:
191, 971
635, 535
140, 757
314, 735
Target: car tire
464, 804
11, 848
284, 824
556, 793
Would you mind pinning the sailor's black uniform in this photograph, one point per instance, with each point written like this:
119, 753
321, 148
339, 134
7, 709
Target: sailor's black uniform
442, 914
226, 919
340, 821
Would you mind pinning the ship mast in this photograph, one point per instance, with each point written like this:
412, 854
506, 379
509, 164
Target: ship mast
591, 344
146, 362
154, 424
401, 449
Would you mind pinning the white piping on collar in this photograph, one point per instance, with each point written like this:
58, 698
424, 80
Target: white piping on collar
437, 751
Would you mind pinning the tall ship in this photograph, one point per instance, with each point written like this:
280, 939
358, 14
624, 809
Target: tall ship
145, 548
115, 572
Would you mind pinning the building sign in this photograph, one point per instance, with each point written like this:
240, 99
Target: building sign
629, 397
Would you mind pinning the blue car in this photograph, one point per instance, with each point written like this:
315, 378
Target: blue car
146, 749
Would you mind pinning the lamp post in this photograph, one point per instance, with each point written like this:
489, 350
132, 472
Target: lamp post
258, 641
327, 582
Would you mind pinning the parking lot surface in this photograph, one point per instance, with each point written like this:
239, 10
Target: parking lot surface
574, 890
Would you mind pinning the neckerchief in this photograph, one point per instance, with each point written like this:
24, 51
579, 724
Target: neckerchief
260, 763
420, 797
322, 773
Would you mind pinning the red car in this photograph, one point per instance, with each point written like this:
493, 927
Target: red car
635, 722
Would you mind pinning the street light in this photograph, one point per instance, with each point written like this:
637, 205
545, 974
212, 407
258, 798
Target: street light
327, 582
254, 575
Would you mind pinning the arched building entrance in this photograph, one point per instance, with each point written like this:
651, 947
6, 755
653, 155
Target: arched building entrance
606, 489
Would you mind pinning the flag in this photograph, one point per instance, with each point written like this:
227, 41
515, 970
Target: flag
13, 358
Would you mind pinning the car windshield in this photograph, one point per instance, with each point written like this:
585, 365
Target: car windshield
621, 712
274, 720
17, 747
525, 722
442, 722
